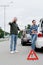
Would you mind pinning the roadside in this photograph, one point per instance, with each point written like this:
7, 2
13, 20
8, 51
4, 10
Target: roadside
4, 39
19, 58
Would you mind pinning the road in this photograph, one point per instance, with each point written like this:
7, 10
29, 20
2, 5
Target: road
19, 58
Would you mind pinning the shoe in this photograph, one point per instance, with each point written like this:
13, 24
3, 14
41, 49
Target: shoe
16, 51
12, 52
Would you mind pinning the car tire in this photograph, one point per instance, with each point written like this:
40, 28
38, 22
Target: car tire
22, 43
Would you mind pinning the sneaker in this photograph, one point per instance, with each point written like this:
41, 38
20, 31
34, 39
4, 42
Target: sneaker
12, 52
16, 51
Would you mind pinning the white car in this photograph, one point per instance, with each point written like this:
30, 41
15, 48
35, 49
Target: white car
39, 42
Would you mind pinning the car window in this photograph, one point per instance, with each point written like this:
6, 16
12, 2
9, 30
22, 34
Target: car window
42, 24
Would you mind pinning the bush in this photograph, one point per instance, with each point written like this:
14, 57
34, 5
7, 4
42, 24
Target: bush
20, 34
1, 33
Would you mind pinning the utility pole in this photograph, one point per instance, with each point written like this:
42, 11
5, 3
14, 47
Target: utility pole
5, 6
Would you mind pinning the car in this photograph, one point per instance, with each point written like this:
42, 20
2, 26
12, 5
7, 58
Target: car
26, 38
39, 43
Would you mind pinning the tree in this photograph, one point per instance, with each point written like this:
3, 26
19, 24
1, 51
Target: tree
20, 34
1, 33
28, 26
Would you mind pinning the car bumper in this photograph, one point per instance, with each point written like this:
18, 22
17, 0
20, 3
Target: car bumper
39, 49
39, 43
27, 41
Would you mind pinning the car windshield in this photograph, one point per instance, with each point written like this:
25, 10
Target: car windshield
27, 31
42, 22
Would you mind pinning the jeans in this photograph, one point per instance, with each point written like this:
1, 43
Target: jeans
34, 38
13, 42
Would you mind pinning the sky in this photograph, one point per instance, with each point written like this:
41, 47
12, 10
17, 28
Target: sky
24, 10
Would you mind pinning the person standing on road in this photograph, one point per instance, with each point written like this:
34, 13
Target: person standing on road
33, 32
14, 34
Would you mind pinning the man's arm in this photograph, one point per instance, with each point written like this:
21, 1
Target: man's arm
18, 28
30, 30
36, 30
10, 23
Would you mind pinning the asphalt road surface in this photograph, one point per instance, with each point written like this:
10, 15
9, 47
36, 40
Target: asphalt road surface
19, 58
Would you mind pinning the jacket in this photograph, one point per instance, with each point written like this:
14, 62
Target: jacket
14, 28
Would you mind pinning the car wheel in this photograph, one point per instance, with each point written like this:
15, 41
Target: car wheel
22, 43
37, 49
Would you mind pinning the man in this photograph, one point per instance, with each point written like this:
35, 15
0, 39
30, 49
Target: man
34, 31
14, 33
